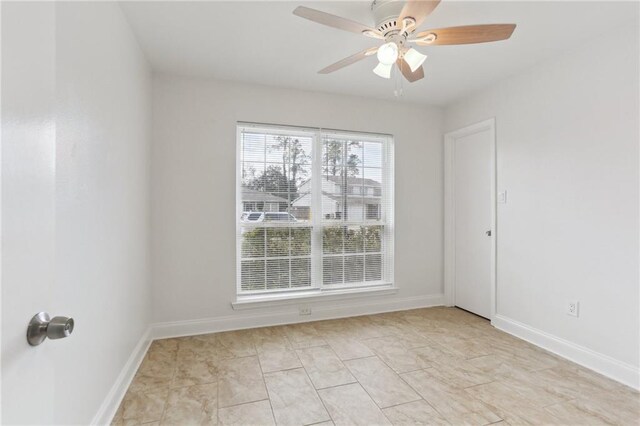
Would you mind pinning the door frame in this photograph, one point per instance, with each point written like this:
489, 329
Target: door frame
449, 210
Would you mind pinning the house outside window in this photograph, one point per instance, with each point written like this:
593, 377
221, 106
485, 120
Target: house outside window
333, 194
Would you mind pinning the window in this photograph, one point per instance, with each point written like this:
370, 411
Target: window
314, 209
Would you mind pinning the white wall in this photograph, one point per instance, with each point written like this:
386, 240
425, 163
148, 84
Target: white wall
567, 154
193, 194
102, 174
99, 88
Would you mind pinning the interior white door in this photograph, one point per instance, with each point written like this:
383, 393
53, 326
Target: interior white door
28, 208
472, 180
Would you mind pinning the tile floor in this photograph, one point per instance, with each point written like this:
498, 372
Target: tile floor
425, 366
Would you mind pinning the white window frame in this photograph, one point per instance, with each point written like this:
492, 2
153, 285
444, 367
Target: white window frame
317, 289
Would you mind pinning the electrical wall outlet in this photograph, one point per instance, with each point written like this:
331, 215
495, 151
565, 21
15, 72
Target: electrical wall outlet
573, 308
304, 310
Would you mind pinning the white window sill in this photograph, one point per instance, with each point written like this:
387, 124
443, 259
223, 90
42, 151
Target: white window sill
316, 295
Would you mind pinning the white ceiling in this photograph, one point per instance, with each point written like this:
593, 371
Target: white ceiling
263, 42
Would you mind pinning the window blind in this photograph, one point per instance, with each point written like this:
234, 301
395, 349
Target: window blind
314, 210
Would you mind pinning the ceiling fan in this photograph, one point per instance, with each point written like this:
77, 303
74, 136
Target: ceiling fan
396, 22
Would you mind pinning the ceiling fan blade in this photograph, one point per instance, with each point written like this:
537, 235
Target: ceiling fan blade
468, 34
348, 60
418, 10
335, 21
404, 68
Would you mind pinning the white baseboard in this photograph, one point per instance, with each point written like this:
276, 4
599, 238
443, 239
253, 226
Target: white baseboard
110, 405
289, 315
603, 364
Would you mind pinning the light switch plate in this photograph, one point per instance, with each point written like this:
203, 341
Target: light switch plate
502, 197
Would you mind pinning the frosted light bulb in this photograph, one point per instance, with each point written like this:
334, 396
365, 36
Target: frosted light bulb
383, 70
414, 59
388, 53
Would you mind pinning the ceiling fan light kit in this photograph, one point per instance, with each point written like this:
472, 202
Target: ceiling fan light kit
414, 58
383, 70
396, 21
388, 53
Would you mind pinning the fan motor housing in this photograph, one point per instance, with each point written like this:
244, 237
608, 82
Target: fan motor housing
385, 14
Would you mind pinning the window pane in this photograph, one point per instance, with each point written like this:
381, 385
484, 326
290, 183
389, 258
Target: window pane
300, 241
332, 270
372, 154
301, 272
354, 269
332, 156
252, 275
277, 274
252, 173
373, 238
354, 153
277, 242
332, 241
353, 242
253, 147
373, 267
279, 194
301, 207
252, 242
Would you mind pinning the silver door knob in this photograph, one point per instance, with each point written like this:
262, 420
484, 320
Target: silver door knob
488, 232
42, 326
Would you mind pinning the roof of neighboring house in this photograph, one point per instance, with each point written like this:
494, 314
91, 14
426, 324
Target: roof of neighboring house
249, 194
353, 180
350, 181
351, 198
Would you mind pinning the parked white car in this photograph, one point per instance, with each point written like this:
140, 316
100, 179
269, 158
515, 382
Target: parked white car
255, 217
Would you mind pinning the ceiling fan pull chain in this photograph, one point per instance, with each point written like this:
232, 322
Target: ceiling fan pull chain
398, 83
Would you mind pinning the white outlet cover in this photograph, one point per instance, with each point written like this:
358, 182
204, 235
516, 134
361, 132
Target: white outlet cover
573, 308
304, 310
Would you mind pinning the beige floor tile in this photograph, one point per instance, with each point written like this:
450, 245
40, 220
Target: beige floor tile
204, 348
240, 381
294, 399
157, 368
467, 371
460, 374
614, 408
270, 339
350, 405
414, 413
276, 360
538, 388
237, 343
335, 328
316, 341
570, 413
511, 406
397, 356
300, 332
452, 403
195, 371
324, 367
193, 405
144, 406
363, 328
348, 348
253, 413
384, 386
498, 367
467, 348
